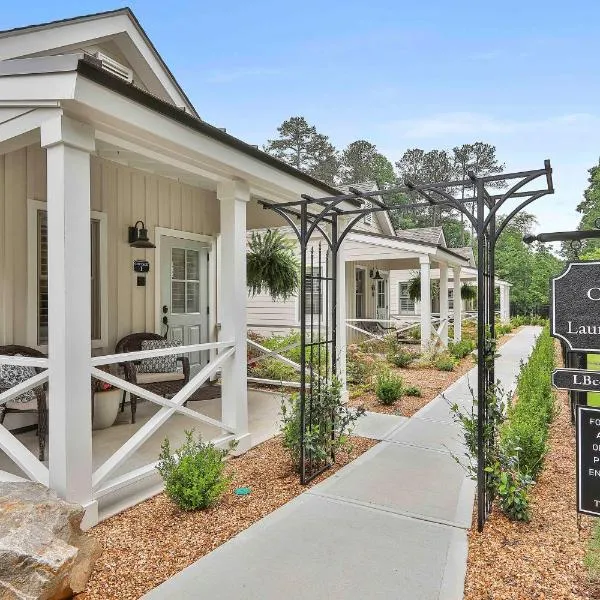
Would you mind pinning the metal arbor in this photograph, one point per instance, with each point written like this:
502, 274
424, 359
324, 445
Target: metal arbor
332, 218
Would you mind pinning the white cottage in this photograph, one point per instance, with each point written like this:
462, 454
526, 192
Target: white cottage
100, 152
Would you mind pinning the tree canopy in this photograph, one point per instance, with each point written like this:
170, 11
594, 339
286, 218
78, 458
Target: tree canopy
589, 208
527, 267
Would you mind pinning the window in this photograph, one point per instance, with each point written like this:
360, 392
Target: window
313, 291
38, 278
451, 299
360, 308
185, 281
405, 304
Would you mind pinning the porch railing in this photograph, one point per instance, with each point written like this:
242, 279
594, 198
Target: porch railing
9, 444
169, 407
277, 354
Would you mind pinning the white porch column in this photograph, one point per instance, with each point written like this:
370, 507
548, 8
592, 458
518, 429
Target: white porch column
444, 303
233, 197
504, 303
457, 305
425, 302
68, 145
341, 336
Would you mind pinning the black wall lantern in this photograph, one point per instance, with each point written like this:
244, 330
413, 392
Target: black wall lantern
377, 276
138, 237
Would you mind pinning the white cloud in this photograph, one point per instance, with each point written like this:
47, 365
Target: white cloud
229, 75
468, 123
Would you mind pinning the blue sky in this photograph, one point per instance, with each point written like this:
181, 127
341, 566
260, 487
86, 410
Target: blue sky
429, 74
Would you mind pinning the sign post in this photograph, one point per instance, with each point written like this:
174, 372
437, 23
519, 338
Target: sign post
588, 460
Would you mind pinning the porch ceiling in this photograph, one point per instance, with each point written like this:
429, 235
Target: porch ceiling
162, 166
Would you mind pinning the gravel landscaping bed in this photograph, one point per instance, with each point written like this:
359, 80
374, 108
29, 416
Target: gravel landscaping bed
542, 559
148, 543
429, 380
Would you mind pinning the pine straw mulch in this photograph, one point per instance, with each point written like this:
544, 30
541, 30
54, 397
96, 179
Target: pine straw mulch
429, 380
150, 542
542, 559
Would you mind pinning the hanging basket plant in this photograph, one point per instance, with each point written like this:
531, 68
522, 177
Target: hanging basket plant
468, 291
271, 265
414, 288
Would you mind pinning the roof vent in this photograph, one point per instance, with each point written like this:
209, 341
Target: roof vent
116, 68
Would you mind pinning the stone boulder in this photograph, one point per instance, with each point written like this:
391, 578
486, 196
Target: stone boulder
44, 555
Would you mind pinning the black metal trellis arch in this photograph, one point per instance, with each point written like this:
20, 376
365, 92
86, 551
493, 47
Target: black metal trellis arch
333, 217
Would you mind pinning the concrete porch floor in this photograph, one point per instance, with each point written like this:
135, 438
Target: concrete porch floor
263, 412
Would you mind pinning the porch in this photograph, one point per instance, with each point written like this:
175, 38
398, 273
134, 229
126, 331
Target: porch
263, 423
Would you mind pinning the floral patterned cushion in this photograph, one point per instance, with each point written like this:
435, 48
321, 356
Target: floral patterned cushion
11, 375
159, 364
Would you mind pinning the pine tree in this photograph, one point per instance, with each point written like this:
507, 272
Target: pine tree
301, 146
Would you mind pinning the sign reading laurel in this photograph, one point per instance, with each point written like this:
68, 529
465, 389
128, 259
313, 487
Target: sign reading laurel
575, 312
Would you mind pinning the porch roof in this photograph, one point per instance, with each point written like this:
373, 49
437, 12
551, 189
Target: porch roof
402, 247
62, 93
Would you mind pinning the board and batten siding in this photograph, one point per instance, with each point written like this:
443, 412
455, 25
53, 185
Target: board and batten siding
125, 195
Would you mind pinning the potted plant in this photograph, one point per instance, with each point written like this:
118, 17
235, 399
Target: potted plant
105, 403
272, 266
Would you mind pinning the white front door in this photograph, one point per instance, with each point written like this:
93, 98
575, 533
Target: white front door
184, 294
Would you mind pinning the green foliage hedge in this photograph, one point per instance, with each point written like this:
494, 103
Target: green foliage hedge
525, 433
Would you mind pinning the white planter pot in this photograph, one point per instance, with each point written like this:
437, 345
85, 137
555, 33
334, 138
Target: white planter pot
106, 408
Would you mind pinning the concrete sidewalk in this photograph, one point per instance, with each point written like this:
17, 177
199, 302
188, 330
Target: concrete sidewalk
391, 525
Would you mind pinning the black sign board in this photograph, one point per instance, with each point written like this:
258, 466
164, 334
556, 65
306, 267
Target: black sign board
588, 460
575, 313
578, 380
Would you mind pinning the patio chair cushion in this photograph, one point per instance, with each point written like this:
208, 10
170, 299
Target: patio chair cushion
158, 364
11, 375
159, 377
21, 405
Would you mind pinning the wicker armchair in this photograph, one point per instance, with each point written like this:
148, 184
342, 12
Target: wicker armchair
163, 384
39, 405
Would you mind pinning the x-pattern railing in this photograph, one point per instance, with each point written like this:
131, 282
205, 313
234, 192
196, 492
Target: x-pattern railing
14, 448
168, 406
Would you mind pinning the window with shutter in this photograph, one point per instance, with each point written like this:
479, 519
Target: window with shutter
405, 304
42, 278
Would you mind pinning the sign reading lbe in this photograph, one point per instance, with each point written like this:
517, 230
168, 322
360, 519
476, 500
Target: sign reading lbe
588, 460
575, 314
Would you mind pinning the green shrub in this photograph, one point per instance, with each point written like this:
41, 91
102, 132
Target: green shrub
503, 328
194, 474
461, 349
388, 388
402, 358
332, 421
530, 416
412, 390
444, 362
360, 366
521, 320
511, 487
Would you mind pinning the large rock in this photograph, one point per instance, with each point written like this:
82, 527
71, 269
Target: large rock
44, 555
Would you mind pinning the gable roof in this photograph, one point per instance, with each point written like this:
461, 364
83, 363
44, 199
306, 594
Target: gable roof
383, 216
120, 27
428, 235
